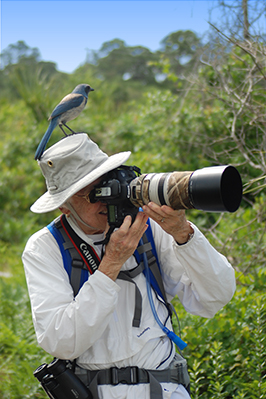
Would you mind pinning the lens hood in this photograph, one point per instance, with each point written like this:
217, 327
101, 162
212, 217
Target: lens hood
216, 189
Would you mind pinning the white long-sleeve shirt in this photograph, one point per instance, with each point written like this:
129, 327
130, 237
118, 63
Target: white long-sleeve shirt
96, 326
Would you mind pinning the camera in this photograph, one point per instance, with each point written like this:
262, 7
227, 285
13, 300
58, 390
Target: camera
115, 191
125, 189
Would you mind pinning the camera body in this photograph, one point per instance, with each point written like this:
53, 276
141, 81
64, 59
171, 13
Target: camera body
115, 191
211, 189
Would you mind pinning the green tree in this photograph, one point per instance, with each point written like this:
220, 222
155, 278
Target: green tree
181, 49
116, 60
26, 77
18, 51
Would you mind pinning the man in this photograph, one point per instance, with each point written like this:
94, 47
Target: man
95, 327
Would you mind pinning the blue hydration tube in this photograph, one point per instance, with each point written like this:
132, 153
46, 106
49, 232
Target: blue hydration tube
170, 334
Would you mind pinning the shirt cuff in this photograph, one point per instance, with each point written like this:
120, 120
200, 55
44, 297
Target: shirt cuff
105, 281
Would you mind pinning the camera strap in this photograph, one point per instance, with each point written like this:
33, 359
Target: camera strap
81, 260
86, 252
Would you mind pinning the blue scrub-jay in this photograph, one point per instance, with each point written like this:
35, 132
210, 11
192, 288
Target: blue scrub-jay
68, 108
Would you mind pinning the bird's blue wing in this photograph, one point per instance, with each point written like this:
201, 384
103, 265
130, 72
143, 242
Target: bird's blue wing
69, 102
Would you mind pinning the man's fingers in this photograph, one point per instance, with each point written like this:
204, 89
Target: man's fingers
135, 229
126, 224
154, 211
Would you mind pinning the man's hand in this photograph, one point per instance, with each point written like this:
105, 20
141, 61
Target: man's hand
123, 242
171, 221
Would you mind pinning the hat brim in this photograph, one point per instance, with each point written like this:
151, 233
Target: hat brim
49, 202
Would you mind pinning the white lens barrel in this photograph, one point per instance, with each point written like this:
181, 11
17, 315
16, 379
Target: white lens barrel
157, 187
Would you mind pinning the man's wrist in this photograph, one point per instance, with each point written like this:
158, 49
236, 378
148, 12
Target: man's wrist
184, 238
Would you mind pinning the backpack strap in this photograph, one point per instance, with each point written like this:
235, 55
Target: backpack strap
154, 266
73, 263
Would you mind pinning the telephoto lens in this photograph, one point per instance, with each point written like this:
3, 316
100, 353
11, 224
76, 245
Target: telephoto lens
212, 189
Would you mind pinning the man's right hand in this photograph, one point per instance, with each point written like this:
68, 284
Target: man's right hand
123, 242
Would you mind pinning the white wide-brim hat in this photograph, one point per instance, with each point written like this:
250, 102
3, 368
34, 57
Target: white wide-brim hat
70, 165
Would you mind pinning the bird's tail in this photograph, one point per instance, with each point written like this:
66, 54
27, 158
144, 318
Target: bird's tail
45, 139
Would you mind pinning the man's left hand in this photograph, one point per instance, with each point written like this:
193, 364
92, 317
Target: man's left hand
172, 221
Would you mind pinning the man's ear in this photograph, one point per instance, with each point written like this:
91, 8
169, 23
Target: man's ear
65, 210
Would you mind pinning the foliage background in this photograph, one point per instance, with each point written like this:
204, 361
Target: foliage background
187, 106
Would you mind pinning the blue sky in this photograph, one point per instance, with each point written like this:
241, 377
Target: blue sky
64, 31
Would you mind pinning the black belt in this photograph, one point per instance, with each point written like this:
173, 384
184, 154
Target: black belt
176, 373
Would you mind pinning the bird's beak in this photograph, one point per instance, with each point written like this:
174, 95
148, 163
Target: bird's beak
91, 89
